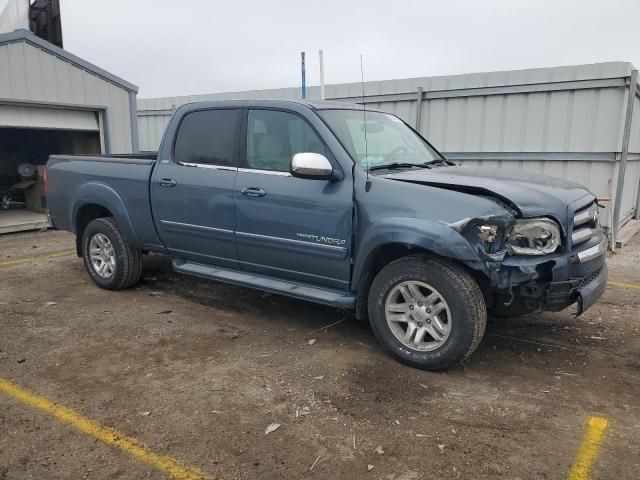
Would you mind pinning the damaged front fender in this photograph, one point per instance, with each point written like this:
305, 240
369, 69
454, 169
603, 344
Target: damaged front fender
430, 235
487, 235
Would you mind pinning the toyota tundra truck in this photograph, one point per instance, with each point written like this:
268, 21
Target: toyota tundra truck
334, 204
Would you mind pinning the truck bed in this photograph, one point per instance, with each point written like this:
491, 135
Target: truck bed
119, 181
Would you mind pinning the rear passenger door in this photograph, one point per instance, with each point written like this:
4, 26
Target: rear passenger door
288, 227
192, 192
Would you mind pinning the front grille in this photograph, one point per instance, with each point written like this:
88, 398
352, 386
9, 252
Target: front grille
589, 278
585, 224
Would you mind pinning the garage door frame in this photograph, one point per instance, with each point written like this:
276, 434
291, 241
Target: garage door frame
101, 110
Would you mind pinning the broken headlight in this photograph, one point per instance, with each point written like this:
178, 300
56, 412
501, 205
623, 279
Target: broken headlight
534, 236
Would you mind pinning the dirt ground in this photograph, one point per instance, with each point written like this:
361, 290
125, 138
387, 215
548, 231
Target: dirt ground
197, 370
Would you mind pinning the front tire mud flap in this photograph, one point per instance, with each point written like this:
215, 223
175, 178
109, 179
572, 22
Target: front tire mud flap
590, 293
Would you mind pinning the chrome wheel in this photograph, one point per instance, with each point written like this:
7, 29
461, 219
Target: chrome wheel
418, 316
102, 255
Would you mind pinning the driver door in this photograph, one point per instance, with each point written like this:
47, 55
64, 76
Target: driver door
293, 228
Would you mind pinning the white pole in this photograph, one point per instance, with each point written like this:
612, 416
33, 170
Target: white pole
321, 75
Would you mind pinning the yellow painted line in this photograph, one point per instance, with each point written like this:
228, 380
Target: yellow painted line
106, 435
623, 285
588, 451
44, 256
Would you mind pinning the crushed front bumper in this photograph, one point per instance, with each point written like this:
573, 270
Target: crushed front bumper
554, 282
586, 291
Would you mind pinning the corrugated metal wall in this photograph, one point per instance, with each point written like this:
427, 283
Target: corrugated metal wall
565, 121
30, 74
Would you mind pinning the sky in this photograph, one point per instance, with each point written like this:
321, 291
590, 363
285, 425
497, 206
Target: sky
183, 47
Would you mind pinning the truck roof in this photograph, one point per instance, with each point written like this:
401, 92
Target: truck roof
312, 104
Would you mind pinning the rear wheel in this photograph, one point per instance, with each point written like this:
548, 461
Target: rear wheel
111, 262
426, 312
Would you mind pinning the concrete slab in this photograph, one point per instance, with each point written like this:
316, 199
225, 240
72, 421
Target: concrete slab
20, 220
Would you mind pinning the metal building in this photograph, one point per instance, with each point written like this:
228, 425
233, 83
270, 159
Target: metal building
573, 122
53, 102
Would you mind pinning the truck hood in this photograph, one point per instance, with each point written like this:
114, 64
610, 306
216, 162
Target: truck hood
529, 193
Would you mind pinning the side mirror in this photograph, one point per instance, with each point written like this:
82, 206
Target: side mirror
313, 166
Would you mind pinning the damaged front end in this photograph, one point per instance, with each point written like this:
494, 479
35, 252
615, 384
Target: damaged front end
542, 248
522, 266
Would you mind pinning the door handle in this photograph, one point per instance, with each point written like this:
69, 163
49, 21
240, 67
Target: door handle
253, 192
167, 182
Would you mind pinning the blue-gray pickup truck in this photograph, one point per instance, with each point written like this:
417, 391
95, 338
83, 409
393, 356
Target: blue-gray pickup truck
336, 205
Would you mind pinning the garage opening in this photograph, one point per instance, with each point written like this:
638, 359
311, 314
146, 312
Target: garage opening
23, 155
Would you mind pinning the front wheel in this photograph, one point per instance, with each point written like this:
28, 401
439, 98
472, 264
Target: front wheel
111, 261
426, 312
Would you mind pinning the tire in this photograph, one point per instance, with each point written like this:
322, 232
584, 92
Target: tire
125, 261
460, 311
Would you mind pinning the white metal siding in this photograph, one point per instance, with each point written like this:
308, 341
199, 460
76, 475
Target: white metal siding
28, 73
520, 130
45, 117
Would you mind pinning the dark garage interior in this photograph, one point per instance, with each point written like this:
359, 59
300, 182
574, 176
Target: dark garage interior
23, 155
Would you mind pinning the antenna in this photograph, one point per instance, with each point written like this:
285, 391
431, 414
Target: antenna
303, 89
321, 55
364, 116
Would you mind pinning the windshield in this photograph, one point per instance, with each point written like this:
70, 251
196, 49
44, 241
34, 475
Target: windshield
389, 140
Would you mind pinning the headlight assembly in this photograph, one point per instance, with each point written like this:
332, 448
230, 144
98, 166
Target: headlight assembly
534, 236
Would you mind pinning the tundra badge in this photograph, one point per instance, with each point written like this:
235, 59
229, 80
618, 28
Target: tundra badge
321, 239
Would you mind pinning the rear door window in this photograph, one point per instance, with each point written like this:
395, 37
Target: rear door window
208, 137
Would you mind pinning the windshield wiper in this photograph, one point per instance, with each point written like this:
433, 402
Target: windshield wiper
442, 161
394, 165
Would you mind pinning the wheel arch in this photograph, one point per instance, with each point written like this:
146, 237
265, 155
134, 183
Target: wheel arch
397, 238
85, 215
96, 200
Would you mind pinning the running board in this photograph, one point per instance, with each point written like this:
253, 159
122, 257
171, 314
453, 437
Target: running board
303, 291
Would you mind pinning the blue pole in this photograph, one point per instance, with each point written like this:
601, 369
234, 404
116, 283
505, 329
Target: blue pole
303, 93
